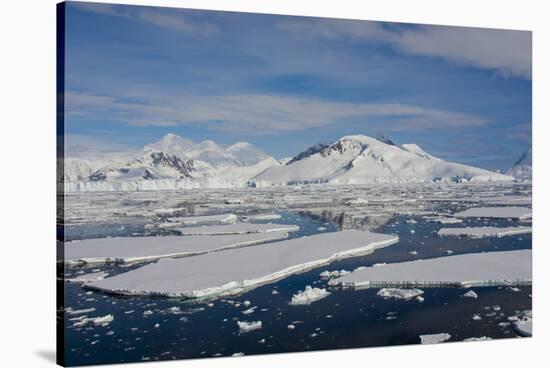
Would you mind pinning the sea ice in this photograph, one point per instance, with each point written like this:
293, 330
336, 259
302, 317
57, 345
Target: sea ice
265, 216
399, 293
308, 296
474, 269
470, 294
518, 213
332, 274
227, 218
249, 326
481, 232
135, 249
239, 228
482, 338
237, 270
434, 338
89, 277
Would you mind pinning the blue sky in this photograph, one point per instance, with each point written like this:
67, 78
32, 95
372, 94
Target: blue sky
134, 74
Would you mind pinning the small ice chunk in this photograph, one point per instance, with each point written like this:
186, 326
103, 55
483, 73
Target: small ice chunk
246, 303
105, 320
249, 311
332, 274
239, 354
249, 326
434, 338
291, 327
309, 295
476, 317
470, 294
482, 338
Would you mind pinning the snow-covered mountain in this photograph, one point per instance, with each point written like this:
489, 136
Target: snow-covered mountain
357, 159
238, 154
153, 165
523, 168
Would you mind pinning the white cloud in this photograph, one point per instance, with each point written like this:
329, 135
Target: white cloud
505, 51
260, 114
167, 18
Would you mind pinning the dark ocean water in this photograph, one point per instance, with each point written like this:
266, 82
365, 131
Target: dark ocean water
345, 319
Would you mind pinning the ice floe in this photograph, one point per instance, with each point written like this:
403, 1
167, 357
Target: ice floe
434, 338
308, 296
470, 294
482, 338
482, 232
249, 326
88, 277
333, 274
136, 249
475, 269
237, 270
240, 228
518, 213
397, 293
227, 218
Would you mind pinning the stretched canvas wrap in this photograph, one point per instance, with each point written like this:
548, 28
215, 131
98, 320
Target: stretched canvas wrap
234, 184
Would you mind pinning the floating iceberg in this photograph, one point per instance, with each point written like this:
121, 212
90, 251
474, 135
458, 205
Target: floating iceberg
434, 338
333, 274
249, 326
518, 213
240, 228
308, 296
135, 249
446, 220
475, 269
399, 293
237, 270
482, 232
470, 294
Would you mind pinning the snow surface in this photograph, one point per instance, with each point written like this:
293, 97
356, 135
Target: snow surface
239, 270
308, 296
481, 232
519, 213
397, 293
135, 249
475, 269
240, 228
434, 338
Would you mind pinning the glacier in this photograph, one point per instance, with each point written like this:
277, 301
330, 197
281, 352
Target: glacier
465, 270
235, 271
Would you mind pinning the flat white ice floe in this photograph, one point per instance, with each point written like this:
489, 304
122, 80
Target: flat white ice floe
136, 249
434, 338
474, 269
88, 277
226, 218
483, 232
240, 228
518, 213
308, 296
397, 293
265, 216
237, 270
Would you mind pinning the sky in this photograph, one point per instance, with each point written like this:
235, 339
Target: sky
134, 74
